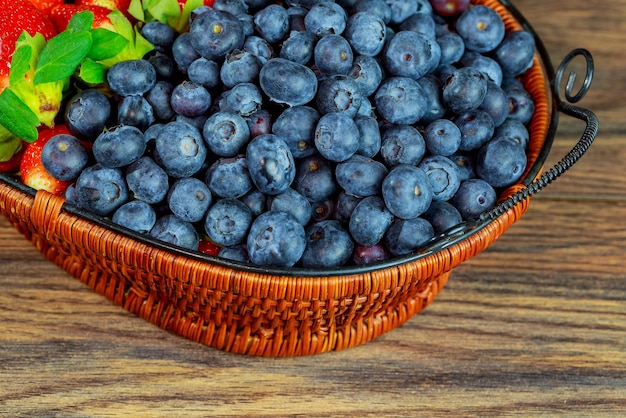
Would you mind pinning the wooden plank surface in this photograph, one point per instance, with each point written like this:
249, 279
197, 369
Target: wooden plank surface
533, 326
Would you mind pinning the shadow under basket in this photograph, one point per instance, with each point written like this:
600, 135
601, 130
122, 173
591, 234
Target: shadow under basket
251, 310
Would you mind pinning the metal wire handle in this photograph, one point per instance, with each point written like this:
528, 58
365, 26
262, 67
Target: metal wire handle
565, 106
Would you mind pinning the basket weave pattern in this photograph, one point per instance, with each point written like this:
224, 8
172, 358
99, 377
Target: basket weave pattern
249, 312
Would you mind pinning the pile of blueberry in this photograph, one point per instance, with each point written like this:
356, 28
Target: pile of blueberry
307, 133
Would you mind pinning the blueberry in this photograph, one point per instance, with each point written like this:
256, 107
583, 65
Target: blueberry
326, 18
443, 175
190, 99
476, 127
516, 52
474, 197
464, 90
452, 48
367, 73
119, 146
64, 157
288, 82
159, 98
235, 253
369, 221
243, 98
514, 130
215, 34
406, 235
495, 103
259, 122
292, 202
159, 34
204, 72
183, 51
240, 67
195, 121
333, 55
368, 254
411, 54
135, 111
407, 191
521, 105
322, 211
152, 132
442, 137
401, 10
270, 163
101, 190
328, 245
272, 23
501, 162
336, 136
164, 65
131, 77
299, 47
256, 201
361, 176
227, 222
87, 113
226, 133
375, 7
175, 231
401, 100
136, 215
229, 177
236, 7
316, 178
465, 163
345, 206
339, 93
189, 199
433, 90
276, 239
369, 135
366, 33
487, 66
481, 28
402, 144
422, 23
247, 22
442, 216
180, 149
259, 47
147, 181
296, 126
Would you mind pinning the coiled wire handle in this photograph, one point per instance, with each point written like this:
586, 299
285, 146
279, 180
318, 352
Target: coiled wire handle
567, 107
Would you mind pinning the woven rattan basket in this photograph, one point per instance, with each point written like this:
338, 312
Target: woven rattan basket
287, 312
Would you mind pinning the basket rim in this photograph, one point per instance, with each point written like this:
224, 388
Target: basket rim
456, 235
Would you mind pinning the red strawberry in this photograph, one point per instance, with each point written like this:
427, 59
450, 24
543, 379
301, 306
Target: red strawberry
17, 16
207, 247
31, 168
61, 14
46, 5
121, 5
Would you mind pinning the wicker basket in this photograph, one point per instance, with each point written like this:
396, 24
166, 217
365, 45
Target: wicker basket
283, 312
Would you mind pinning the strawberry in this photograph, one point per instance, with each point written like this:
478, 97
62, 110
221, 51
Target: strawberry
46, 5
17, 16
121, 5
61, 14
31, 168
208, 247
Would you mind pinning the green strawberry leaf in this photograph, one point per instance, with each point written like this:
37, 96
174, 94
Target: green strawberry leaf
16, 117
80, 22
106, 44
92, 72
27, 50
61, 56
122, 25
162, 10
135, 9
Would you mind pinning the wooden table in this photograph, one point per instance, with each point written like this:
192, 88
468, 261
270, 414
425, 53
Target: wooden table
535, 325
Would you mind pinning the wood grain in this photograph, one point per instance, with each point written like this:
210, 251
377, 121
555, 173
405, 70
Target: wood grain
533, 326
